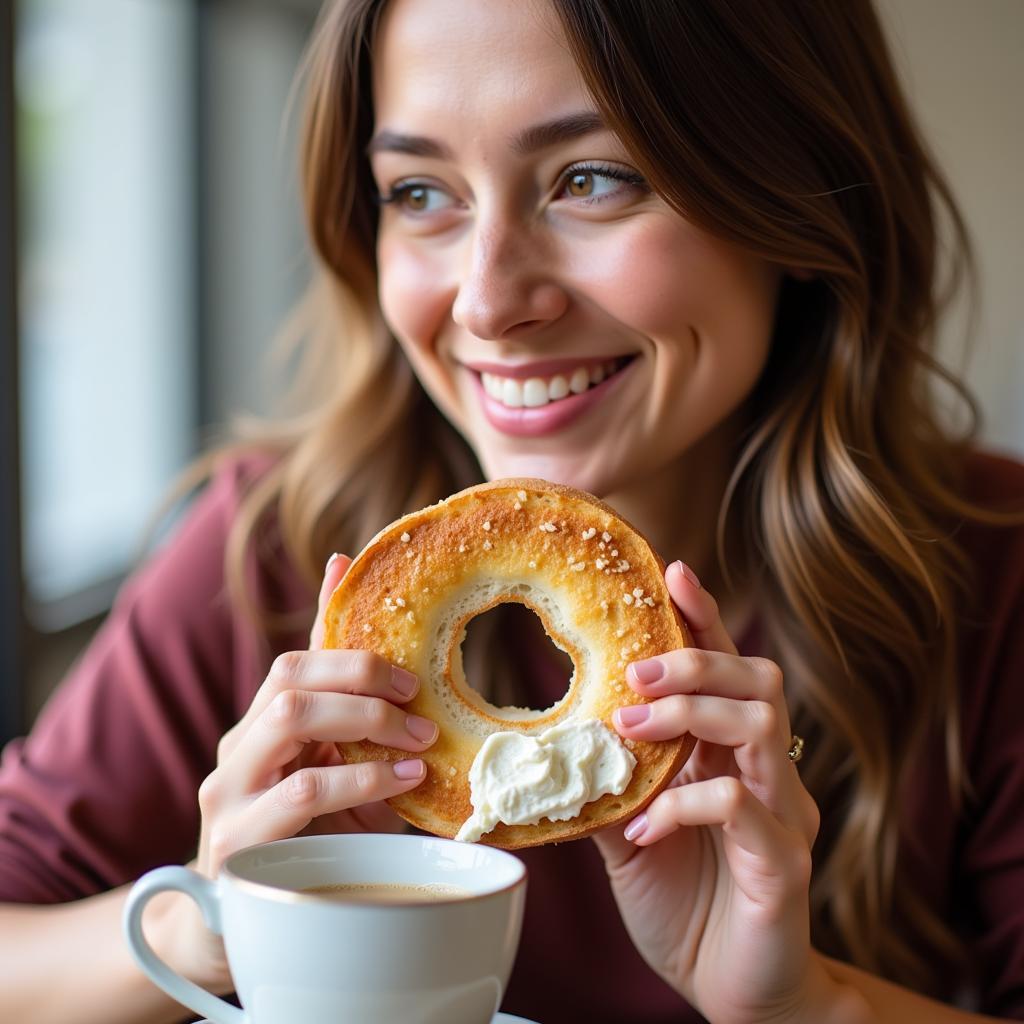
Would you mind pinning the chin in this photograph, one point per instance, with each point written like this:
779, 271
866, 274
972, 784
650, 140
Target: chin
579, 472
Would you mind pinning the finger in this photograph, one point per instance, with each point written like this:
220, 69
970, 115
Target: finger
339, 671
334, 572
751, 728
694, 670
723, 801
298, 717
698, 608
288, 807
769, 863
731, 723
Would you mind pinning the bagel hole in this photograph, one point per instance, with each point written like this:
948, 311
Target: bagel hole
511, 661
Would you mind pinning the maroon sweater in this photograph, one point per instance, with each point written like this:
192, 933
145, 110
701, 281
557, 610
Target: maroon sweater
104, 787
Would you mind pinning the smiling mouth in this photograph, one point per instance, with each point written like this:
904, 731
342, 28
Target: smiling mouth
535, 392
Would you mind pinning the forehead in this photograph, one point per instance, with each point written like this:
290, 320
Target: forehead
482, 60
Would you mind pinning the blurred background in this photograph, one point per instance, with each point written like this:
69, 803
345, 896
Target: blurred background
151, 244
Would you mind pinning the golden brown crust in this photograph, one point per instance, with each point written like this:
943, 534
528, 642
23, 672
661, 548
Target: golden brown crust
594, 581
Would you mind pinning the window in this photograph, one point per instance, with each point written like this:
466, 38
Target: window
104, 106
160, 246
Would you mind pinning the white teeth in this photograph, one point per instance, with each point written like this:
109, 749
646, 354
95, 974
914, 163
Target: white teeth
538, 391
535, 392
558, 388
579, 381
511, 393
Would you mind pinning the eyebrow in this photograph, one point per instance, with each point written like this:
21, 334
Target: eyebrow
530, 140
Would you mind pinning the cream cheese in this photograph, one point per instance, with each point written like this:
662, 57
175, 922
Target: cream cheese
518, 779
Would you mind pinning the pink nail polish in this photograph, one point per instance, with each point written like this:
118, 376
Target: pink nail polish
634, 714
404, 682
636, 828
648, 671
690, 575
411, 769
421, 729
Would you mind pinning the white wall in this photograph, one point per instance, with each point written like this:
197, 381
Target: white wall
963, 65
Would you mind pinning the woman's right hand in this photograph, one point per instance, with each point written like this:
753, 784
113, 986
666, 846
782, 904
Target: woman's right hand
279, 773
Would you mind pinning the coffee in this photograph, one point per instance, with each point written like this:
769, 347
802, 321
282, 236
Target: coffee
355, 926
390, 892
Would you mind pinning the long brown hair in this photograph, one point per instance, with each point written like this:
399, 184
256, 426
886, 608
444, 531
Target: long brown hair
781, 128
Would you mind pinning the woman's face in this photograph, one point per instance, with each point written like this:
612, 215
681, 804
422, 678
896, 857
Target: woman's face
561, 315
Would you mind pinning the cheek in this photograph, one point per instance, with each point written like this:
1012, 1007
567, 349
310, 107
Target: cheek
667, 280
412, 295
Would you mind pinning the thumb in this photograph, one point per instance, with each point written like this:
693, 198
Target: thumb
337, 566
699, 609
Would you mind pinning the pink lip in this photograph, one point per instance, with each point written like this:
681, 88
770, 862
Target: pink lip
542, 368
548, 418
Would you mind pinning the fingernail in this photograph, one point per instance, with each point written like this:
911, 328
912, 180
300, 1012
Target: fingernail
421, 729
690, 575
636, 828
648, 671
634, 714
331, 561
404, 682
409, 769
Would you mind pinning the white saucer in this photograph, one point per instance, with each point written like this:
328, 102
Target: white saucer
502, 1018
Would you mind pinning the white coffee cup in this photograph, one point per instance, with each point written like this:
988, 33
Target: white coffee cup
300, 956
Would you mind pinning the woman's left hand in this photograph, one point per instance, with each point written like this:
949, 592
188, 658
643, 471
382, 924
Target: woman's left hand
713, 881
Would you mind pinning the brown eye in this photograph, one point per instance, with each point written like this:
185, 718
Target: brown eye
416, 198
595, 184
581, 184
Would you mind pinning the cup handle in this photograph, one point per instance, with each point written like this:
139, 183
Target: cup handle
205, 893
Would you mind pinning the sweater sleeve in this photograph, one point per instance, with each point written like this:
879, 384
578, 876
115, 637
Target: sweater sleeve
104, 787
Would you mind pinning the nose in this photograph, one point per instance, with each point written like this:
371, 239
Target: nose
507, 288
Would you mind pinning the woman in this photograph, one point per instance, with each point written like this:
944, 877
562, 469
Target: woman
726, 209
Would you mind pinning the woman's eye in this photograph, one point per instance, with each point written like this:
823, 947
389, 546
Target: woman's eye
417, 198
594, 184
584, 184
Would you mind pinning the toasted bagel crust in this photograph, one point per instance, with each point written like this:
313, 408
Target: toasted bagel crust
599, 590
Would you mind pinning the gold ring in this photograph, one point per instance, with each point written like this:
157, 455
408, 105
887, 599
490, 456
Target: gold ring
796, 748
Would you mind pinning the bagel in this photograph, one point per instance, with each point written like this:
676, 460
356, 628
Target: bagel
599, 589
